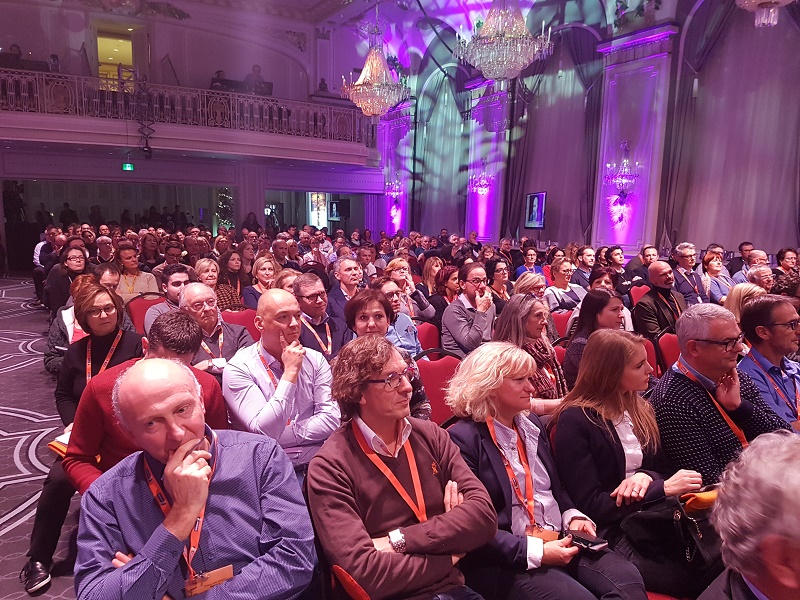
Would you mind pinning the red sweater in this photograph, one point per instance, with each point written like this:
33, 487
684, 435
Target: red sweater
96, 430
351, 502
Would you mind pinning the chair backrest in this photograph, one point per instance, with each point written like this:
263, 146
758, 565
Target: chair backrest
429, 336
668, 349
416, 278
245, 318
638, 292
138, 305
652, 357
561, 320
560, 353
435, 375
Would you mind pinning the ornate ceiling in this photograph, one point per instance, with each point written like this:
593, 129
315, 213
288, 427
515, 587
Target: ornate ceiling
314, 11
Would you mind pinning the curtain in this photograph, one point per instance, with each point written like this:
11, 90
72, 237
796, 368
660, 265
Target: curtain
699, 39
744, 181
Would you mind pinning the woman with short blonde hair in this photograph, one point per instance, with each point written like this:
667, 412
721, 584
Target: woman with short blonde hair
739, 295
207, 271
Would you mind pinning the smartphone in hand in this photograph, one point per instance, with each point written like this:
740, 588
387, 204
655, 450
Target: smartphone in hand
589, 542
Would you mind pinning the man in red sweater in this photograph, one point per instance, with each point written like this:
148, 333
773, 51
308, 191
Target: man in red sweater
96, 431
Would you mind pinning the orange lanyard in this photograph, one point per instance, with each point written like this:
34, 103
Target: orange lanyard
690, 282
528, 499
272, 377
161, 498
417, 507
796, 407
326, 349
105, 362
219, 341
734, 428
407, 300
672, 311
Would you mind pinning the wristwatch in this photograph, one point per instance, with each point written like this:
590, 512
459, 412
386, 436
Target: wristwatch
398, 541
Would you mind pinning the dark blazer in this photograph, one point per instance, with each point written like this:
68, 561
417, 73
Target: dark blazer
484, 459
735, 264
336, 302
651, 316
591, 463
728, 585
340, 335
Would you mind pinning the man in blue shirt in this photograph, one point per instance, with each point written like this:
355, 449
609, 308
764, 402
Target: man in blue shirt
197, 511
772, 327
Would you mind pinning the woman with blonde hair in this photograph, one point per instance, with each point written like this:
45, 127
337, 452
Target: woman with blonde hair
412, 301
207, 271
264, 270
609, 456
430, 268
535, 285
739, 295
284, 279
221, 245
509, 452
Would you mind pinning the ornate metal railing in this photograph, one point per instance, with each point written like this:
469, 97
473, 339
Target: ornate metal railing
56, 93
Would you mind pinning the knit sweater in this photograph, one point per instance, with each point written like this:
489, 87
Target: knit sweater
351, 502
694, 434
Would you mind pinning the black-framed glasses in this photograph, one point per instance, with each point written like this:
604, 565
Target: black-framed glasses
728, 345
393, 295
476, 282
315, 296
790, 324
392, 382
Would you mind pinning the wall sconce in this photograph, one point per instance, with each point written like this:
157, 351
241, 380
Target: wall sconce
482, 182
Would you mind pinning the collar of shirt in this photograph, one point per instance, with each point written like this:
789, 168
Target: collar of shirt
756, 592
273, 362
216, 331
376, 443
465, 301
158, 467
704, 381
312, 322
787, 367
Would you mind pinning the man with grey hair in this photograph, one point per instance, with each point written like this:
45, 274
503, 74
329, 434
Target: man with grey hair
349, 274
687, 282
222, 505
762, 276
755, 257
756, 518
707, 411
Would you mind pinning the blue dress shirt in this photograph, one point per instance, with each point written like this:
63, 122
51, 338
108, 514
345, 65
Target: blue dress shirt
786, 377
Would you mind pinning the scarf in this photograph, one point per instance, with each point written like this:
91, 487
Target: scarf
548, 381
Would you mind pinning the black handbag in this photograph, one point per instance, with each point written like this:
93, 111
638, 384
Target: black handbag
663, 530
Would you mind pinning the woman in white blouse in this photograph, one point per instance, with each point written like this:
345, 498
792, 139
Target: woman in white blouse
563, 296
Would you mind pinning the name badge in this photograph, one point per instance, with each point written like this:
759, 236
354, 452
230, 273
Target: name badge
217, 364
205, 581
540, 532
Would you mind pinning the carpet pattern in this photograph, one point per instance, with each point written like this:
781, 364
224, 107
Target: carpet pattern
28, 421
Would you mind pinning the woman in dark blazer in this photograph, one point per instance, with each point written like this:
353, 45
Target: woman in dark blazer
608, 453
491, 392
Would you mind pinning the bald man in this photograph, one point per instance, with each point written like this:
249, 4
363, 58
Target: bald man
662, 305
280, 389
230, 496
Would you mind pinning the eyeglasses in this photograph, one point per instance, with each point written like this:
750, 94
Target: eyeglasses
476, 282
790, 324
315, 296
392, 382
501, 270
403, 269
210, 302
109, 309
688, 255
568, 271
728, 345
392, 295
75, 259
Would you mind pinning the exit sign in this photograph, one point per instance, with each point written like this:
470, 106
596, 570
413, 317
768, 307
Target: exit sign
127, 166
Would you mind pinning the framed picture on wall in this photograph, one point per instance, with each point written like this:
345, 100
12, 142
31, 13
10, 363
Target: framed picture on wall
334, 213
534, 210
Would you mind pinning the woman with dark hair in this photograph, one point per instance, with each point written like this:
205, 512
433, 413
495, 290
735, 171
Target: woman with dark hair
600, 256
554, 253
149, 256
446, 291
251, 223
248, 256
601, 309
99, 313
231, 272
615, 257
430, 268
467, 322
485, 254
609, 456
601, 278
72, 262
497, 273
530, 256
370, 312
508, 450
402, 331
787, 262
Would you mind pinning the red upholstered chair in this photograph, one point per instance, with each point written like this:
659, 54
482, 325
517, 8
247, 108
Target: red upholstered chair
416, 278
638, 292
561, 319
428, 334
668, 350
657, 596
138, 305
652, 358
435, 376
560, 352
245, 318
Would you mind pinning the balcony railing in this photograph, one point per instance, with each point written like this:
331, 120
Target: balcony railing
59, 94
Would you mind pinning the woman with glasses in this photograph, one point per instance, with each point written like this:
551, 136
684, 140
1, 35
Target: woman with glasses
402, 331
563, 296
497, 273
133, 281
529, 266
370, 312
716, 281
99, 314
207, 271
508, 450
72, 263
610, 457
412, 301
264, 270
787, 262
468, 321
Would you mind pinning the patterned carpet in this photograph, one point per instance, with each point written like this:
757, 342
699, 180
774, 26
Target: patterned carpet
28, 421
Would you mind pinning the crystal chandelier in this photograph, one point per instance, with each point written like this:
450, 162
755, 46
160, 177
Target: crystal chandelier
394, 189
766, 10
376, 91
482, 182
503, 46
622, 177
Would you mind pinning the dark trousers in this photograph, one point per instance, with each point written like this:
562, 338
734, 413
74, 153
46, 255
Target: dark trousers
38, 282
459, 593
589, 576
51, 512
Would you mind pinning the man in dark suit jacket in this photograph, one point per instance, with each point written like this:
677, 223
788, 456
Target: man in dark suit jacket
661, 306
737, 263
687, 281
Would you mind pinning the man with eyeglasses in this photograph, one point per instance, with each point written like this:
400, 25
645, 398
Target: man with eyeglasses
754, 257
394, 505
687, 282
467, 321
105, 251
318, 330
280, 389
172, 256
771, 325
176, 277
706, 411
221, 340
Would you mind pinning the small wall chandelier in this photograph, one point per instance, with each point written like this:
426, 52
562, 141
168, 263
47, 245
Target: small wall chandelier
622, 177
375, 91
394, 189
482, 182
502, 47
766, 10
